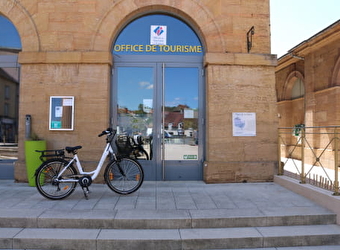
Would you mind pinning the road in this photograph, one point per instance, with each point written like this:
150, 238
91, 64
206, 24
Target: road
7, 169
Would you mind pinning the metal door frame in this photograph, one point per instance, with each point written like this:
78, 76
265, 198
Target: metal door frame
159, 63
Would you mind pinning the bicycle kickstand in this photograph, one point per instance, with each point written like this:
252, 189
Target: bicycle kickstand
86, 192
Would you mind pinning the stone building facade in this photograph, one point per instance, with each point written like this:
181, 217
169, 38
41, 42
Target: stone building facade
307, 86
67, 51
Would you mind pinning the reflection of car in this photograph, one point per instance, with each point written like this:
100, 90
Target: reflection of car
180, 131
166, 134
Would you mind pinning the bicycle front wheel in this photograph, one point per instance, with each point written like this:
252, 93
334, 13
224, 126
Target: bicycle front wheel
48, 183
124, 176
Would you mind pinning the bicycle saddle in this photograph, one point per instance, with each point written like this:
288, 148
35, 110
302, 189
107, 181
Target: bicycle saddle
72, 149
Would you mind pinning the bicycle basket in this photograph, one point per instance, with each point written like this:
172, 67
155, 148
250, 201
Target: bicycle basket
123, 143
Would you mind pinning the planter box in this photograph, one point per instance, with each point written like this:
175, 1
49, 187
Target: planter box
32, 159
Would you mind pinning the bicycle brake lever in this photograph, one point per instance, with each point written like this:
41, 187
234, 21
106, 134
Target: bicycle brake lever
102, 133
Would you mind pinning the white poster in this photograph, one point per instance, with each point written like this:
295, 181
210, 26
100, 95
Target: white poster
244, 124
58, 111
158, 35
147, 105
67, 102
189, 113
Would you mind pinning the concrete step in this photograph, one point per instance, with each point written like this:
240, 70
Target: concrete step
203, 238
165, 219
335, 247
248, 217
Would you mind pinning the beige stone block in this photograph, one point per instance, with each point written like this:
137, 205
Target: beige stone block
7, 6
87, 7
42, 22
219, 172
46, 7
49, 41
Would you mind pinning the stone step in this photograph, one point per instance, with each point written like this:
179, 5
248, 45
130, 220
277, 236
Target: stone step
164, 219
202, 238
335, 247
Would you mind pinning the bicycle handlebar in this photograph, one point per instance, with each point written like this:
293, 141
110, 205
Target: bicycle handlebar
106, 132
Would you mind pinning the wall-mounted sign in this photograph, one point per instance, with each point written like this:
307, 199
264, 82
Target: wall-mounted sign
61, 113
139, 48
158, 35
244, 124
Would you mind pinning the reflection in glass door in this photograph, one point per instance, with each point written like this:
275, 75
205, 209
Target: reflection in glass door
135, 109
180, 113
160, 104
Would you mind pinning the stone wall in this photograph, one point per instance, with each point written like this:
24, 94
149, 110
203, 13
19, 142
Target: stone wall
317, 62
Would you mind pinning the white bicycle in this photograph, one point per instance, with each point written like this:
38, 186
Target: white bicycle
57, 178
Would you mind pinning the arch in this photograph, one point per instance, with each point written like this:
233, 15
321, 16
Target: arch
181, 41
289, 84
336, 74
125, 11
23, 22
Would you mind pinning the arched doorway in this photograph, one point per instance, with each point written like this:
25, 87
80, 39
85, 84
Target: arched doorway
158, 92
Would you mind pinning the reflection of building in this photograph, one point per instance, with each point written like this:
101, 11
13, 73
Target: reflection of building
9, 91
308, 83
180, 119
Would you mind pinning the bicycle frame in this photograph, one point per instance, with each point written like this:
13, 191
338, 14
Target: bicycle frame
108, 150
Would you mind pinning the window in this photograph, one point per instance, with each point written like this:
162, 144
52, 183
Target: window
6, 109
157, 35
298, 89
7, 92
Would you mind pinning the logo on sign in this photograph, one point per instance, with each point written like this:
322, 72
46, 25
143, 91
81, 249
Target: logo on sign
158, 31
158, 35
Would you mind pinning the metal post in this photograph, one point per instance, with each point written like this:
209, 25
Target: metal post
280, 170
163, 122
303, 177
28, 127
336, 170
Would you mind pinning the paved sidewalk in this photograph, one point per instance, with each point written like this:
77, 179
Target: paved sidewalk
178, 215
192, 195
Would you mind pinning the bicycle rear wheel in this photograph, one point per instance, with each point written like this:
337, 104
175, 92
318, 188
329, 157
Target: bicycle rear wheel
47, 182
124, 176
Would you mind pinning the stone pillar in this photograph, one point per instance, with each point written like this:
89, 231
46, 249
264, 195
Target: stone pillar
240, 83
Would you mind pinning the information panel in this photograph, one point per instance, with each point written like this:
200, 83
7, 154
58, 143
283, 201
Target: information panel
61, 113
244, 124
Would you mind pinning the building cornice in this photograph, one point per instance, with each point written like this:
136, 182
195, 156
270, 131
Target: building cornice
322, 38
67, 57
245, 59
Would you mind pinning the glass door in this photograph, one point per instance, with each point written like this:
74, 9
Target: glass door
159, 105
134, 114
181, 154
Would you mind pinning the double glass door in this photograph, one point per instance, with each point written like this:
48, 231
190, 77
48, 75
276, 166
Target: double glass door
162, 104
